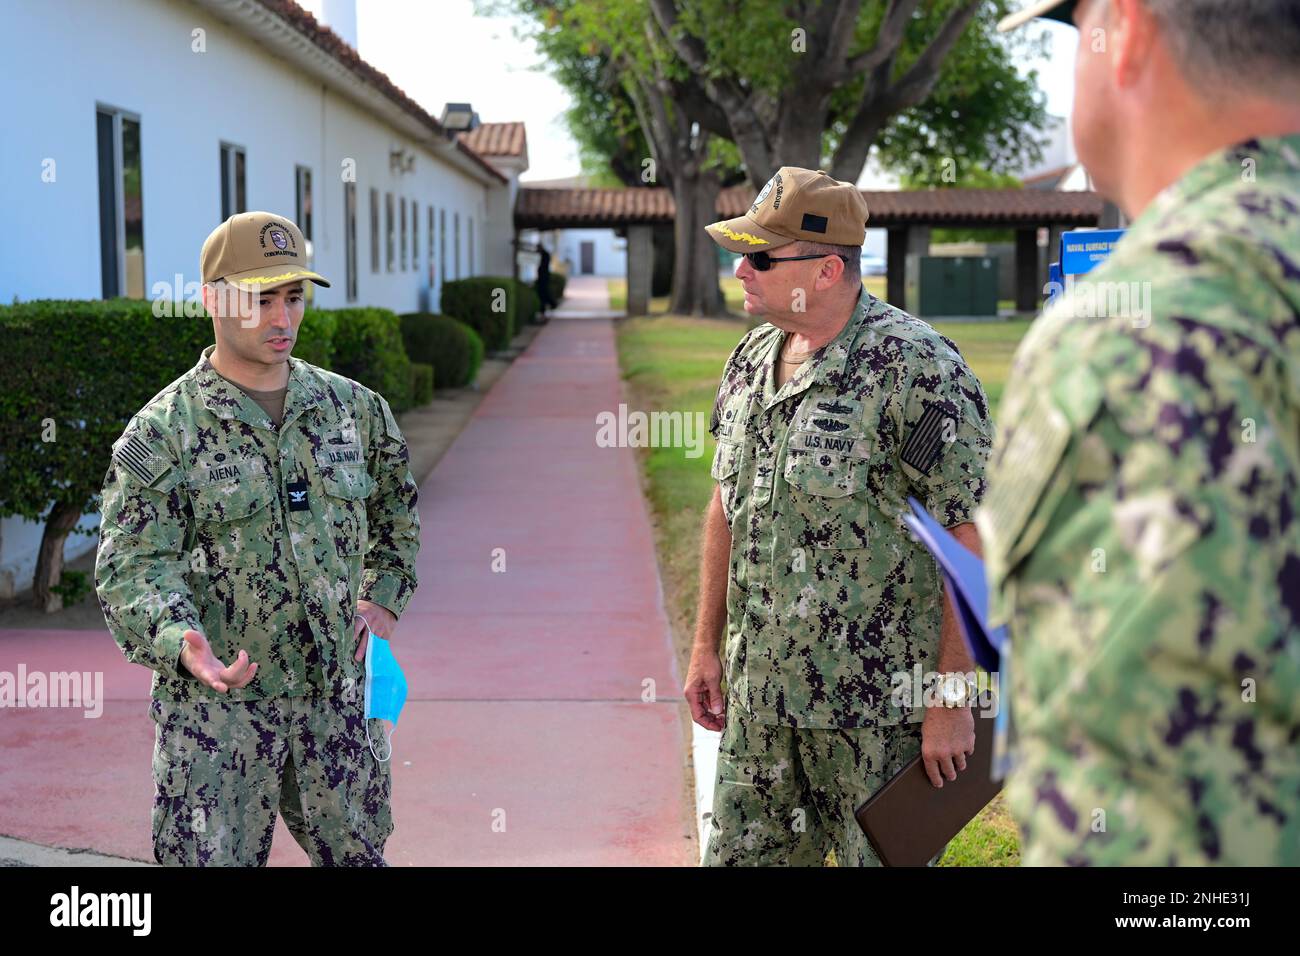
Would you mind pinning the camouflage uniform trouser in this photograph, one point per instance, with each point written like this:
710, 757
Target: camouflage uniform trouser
784, 795
221, 768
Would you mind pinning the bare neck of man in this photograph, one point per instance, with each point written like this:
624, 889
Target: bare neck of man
811, 330
258, 376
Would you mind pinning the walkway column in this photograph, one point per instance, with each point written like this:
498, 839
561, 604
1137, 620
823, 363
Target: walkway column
902, 242
640, 267
1027, 284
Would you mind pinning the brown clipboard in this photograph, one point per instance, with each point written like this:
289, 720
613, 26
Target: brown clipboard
908, 820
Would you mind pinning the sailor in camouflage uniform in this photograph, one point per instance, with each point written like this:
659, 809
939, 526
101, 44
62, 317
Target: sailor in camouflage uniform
241, 536
1142, 526
825, 597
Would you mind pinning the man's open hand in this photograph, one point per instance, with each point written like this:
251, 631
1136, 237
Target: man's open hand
382, 624
199, 660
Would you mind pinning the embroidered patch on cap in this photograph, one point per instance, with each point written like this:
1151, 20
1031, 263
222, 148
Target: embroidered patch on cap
921, 450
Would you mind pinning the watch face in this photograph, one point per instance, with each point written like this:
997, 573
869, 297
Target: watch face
954, 689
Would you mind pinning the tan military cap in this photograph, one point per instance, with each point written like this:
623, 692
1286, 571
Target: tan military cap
256, 249
797, 204
1061, 10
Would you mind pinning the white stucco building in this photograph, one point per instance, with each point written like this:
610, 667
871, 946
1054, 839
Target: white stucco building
134, 127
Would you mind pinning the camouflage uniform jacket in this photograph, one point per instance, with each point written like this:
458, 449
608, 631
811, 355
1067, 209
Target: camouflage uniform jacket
261, 540
1142, 534
829, 596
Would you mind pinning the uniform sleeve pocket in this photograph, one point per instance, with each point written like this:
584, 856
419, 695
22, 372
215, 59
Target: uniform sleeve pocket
726, 461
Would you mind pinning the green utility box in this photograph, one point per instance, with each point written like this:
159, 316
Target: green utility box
951, 286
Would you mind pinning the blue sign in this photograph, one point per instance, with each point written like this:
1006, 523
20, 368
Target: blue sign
1054, 281
1084, 250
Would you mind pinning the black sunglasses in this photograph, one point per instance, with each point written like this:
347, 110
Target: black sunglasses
761, 261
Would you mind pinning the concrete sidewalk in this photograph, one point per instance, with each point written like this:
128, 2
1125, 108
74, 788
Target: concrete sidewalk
542, 725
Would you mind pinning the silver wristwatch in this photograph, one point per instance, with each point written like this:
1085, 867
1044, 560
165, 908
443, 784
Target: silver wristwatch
956, 689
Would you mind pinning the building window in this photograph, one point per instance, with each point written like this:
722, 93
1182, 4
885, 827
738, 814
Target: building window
374, 230
350, 237
415, 236
455, 242
442, 244
429, 251
121, 204
402, 202
233, 198
390, 227
302, 189
471, 246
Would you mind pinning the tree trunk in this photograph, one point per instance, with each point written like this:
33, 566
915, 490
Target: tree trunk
661, 282
695, 273
49, 561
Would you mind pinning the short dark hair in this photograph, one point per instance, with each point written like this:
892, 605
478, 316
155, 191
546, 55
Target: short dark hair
1244, 45
852, 256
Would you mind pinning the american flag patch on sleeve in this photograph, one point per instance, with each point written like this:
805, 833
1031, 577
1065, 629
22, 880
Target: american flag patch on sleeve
921, 450
138, 458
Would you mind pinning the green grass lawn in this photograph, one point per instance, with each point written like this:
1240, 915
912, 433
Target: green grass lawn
672, 363
732, 294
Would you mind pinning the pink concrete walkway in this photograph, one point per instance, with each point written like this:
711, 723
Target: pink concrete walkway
525, 739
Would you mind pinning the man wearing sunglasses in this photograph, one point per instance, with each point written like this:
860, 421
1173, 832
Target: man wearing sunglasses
828, 417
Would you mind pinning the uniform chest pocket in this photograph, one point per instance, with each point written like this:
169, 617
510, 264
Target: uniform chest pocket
346, 491
827, 494
231, 520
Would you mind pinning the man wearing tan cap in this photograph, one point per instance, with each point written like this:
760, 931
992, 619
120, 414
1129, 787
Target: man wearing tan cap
1142, 526
829, 416
258, 514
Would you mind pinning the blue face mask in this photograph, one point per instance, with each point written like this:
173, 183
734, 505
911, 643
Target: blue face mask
385, 689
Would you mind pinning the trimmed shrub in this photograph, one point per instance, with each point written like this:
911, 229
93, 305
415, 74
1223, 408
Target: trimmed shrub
421, 384
368, 348
558, 281
316, 338
453, 349
473, 300
529, 304
477, 350
74, 373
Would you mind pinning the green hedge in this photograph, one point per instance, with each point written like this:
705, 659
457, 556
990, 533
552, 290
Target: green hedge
530, 303
495, 307
84, 367
315, 342
75, 371
453, 349
421, 384
368, 348
557, 282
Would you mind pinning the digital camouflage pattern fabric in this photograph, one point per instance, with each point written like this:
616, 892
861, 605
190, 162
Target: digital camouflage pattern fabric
786, 796
223, 767
1142, 540
259, 539
829, 595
